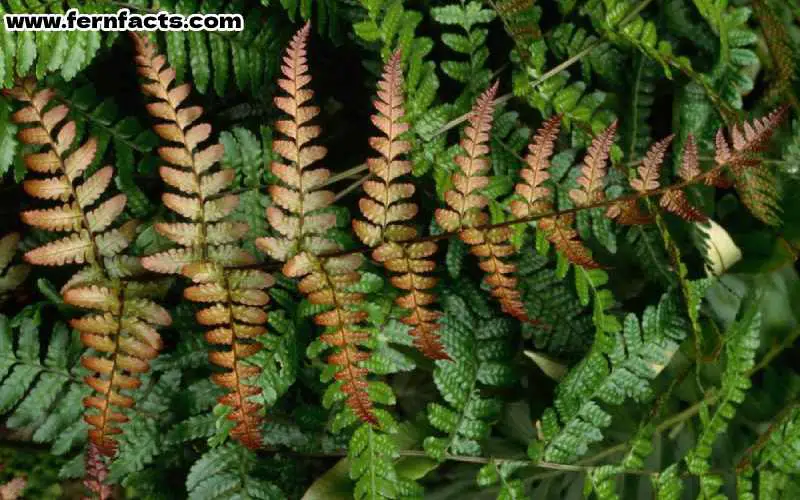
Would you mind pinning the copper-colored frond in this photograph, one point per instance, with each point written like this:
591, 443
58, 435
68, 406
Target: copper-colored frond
387, 211
676, 202
535, 197
595, 166
234, 298
748, 138
97, 473
466, 205
690, 167
560, 232
647, 178
297, 199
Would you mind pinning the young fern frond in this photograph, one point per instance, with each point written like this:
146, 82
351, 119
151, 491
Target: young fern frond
466, 210
298, 217
388, 211
233, 299
121, 333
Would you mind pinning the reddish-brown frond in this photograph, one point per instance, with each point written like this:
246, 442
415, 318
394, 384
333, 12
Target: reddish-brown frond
595, 167
465, 203
122, 336
325, 282
676, 202
388, 211
647, 178
466, 210
690, 165
755, 186
235, 315
411, 263
302, 230
535, 197
298, 199
126, 334
747, 138
559, 230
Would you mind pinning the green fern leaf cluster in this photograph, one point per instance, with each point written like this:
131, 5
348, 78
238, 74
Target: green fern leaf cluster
42, 395
477, 343
619, 367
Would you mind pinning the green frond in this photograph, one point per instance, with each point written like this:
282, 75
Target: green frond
12, 273
41, 53
229, 471
217, 60
372, 454
743, 338
619, 367
248, 155
477, 346
470, 43
42, 395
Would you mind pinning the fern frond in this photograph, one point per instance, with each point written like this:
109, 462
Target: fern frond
594, 169
755, 185
467, 208
621, 369
124, 339
302, 226
234, 298
229, 471
536, 198
388, 212
96, 474
11, 275
477, 345
743, 341
43, 395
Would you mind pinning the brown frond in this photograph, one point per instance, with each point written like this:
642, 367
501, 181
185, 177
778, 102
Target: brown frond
755, 186
648, 173
690, 165
236, 316
535, 197
123, 334
325, 282
388, 211
297, 200
467, 206
747, 138
675, 201
559, 230
302, 230
595, 168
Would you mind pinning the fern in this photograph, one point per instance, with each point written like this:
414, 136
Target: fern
466, 210
42, 395
236, 296
302, 225
472, 73
743, 341
11, 275
43, 52
477, 345
619, 367
123, 328
229, 471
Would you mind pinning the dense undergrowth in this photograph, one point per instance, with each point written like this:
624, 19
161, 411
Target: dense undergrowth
385, 249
